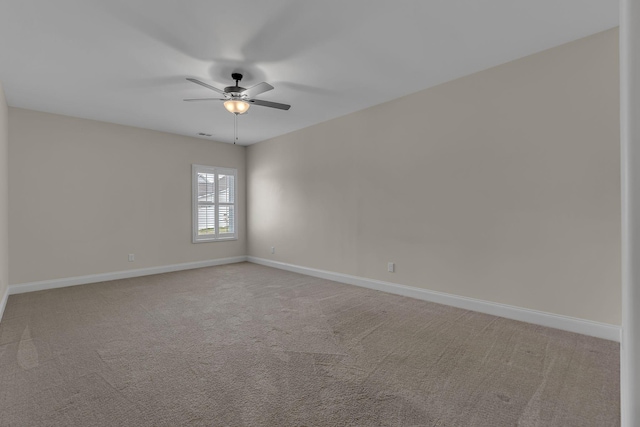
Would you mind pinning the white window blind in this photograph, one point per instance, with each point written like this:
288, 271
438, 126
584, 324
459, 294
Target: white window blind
214, 203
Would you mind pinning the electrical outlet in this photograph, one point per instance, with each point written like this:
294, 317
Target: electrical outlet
391, 267
132, 257
273, 249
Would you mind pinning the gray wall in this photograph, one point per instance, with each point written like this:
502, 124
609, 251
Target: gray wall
503, 185
84, 194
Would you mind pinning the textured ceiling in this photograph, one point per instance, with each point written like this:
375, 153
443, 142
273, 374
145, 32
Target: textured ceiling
125, 61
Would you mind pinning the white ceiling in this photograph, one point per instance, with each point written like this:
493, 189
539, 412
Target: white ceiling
125, 61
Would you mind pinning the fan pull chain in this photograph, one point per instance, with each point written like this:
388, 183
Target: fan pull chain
235, 128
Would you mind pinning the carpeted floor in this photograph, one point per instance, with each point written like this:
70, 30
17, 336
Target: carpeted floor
246, 345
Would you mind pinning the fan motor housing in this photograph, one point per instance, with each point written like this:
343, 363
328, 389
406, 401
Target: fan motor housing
234, 90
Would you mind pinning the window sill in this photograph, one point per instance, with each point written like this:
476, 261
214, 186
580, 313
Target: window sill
221, 239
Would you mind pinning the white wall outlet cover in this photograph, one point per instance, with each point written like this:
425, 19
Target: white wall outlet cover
273, 249
132, 257
391, 267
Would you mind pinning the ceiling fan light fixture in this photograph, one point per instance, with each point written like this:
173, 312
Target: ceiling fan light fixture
236, 106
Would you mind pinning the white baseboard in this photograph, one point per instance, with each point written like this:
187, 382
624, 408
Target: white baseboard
94, 278
566, 323
3, 302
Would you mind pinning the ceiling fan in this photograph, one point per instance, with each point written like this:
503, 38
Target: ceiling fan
237, 99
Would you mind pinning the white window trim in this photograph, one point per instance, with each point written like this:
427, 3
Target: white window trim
195, 169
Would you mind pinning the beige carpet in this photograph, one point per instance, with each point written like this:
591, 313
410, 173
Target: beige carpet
246, 345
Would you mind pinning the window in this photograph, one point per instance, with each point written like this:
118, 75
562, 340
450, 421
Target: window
214, 203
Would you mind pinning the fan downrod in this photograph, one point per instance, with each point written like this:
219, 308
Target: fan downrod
235, 90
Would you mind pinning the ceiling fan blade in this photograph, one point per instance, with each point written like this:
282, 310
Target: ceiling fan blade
198, 82
205, 99
257, 89
269, 104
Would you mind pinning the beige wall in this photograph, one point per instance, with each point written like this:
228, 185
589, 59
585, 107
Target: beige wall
4, 195
84, 194
502, 186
